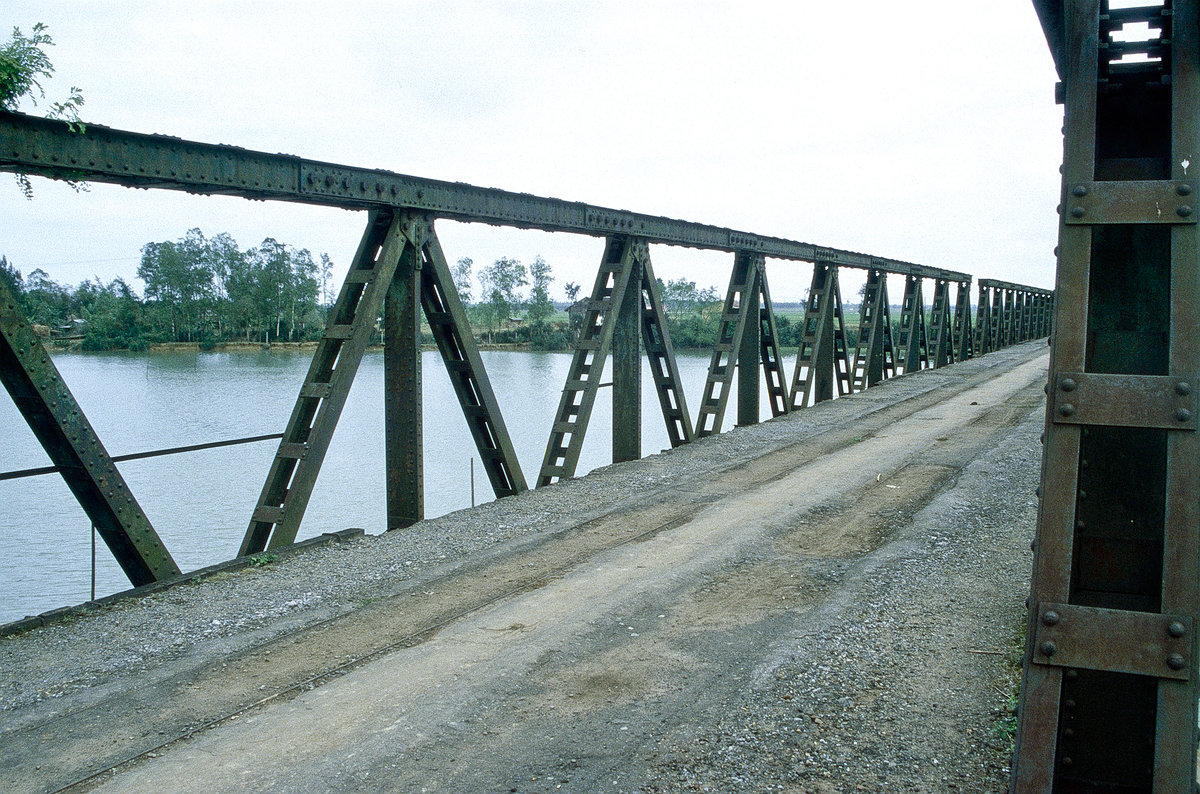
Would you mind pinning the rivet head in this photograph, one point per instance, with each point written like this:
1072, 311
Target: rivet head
1183, 190
1079, 212
1175, 661
1079, 190
1183, 414
1069, 703
1176, 629
1066, 409
1183, 211
1067, 760
1183, 388
1048, 648
1050, 618
1067, 384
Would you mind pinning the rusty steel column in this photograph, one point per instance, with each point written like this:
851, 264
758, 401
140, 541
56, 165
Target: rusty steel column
747, 356
404, 465
964, 339
627, 371
1109, 695
983, 320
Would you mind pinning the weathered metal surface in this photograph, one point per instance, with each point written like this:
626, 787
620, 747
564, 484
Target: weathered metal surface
34, 145
1158, 201
822, 358
1113, 707
404, 465
455, 341
874, 353
735, 313
1115, 640
983, 320
290, 481
1162, 401
627, 371
587, 362
962, 335
64, 432
768, 352
941, 343
664, 370
913, 348
748, 352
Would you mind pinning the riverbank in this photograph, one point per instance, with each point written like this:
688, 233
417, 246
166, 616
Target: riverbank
59, 345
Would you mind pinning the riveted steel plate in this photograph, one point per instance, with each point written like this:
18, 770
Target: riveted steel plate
1116, 640
33, 145
1131, 202
1162, 401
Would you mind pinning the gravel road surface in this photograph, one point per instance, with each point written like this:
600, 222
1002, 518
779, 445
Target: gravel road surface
830, 601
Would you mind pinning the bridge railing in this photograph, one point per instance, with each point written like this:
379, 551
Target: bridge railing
401, 271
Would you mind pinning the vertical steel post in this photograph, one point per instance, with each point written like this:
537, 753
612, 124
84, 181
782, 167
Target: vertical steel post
627, 371
983, 320
748, 356
940, 325
964, 339
1109, 696
404, 466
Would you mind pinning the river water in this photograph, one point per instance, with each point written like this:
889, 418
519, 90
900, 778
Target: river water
200, 502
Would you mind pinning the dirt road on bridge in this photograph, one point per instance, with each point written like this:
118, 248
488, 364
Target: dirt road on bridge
824, 602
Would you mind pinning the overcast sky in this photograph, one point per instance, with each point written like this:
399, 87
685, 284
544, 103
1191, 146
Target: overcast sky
923, 130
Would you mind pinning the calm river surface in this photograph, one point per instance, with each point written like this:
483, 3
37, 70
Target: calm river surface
200, 502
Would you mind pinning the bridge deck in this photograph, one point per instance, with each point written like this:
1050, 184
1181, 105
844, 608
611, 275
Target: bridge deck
831, 598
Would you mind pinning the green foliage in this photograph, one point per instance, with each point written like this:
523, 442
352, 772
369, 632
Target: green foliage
207, 290
461, 272
572, 290
198, 289
693, 315
262, 559
500, 283
23, 64
11, 277
540, 305
551, 336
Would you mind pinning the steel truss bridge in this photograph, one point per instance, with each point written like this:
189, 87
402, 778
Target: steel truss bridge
1109, 697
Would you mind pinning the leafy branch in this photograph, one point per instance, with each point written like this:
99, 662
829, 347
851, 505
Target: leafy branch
23, 64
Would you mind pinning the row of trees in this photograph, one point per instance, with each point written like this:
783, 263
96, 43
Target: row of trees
198, 289
207, 290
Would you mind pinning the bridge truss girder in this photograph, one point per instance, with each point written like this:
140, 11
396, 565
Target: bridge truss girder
400, 271
65, 433
1109, 694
